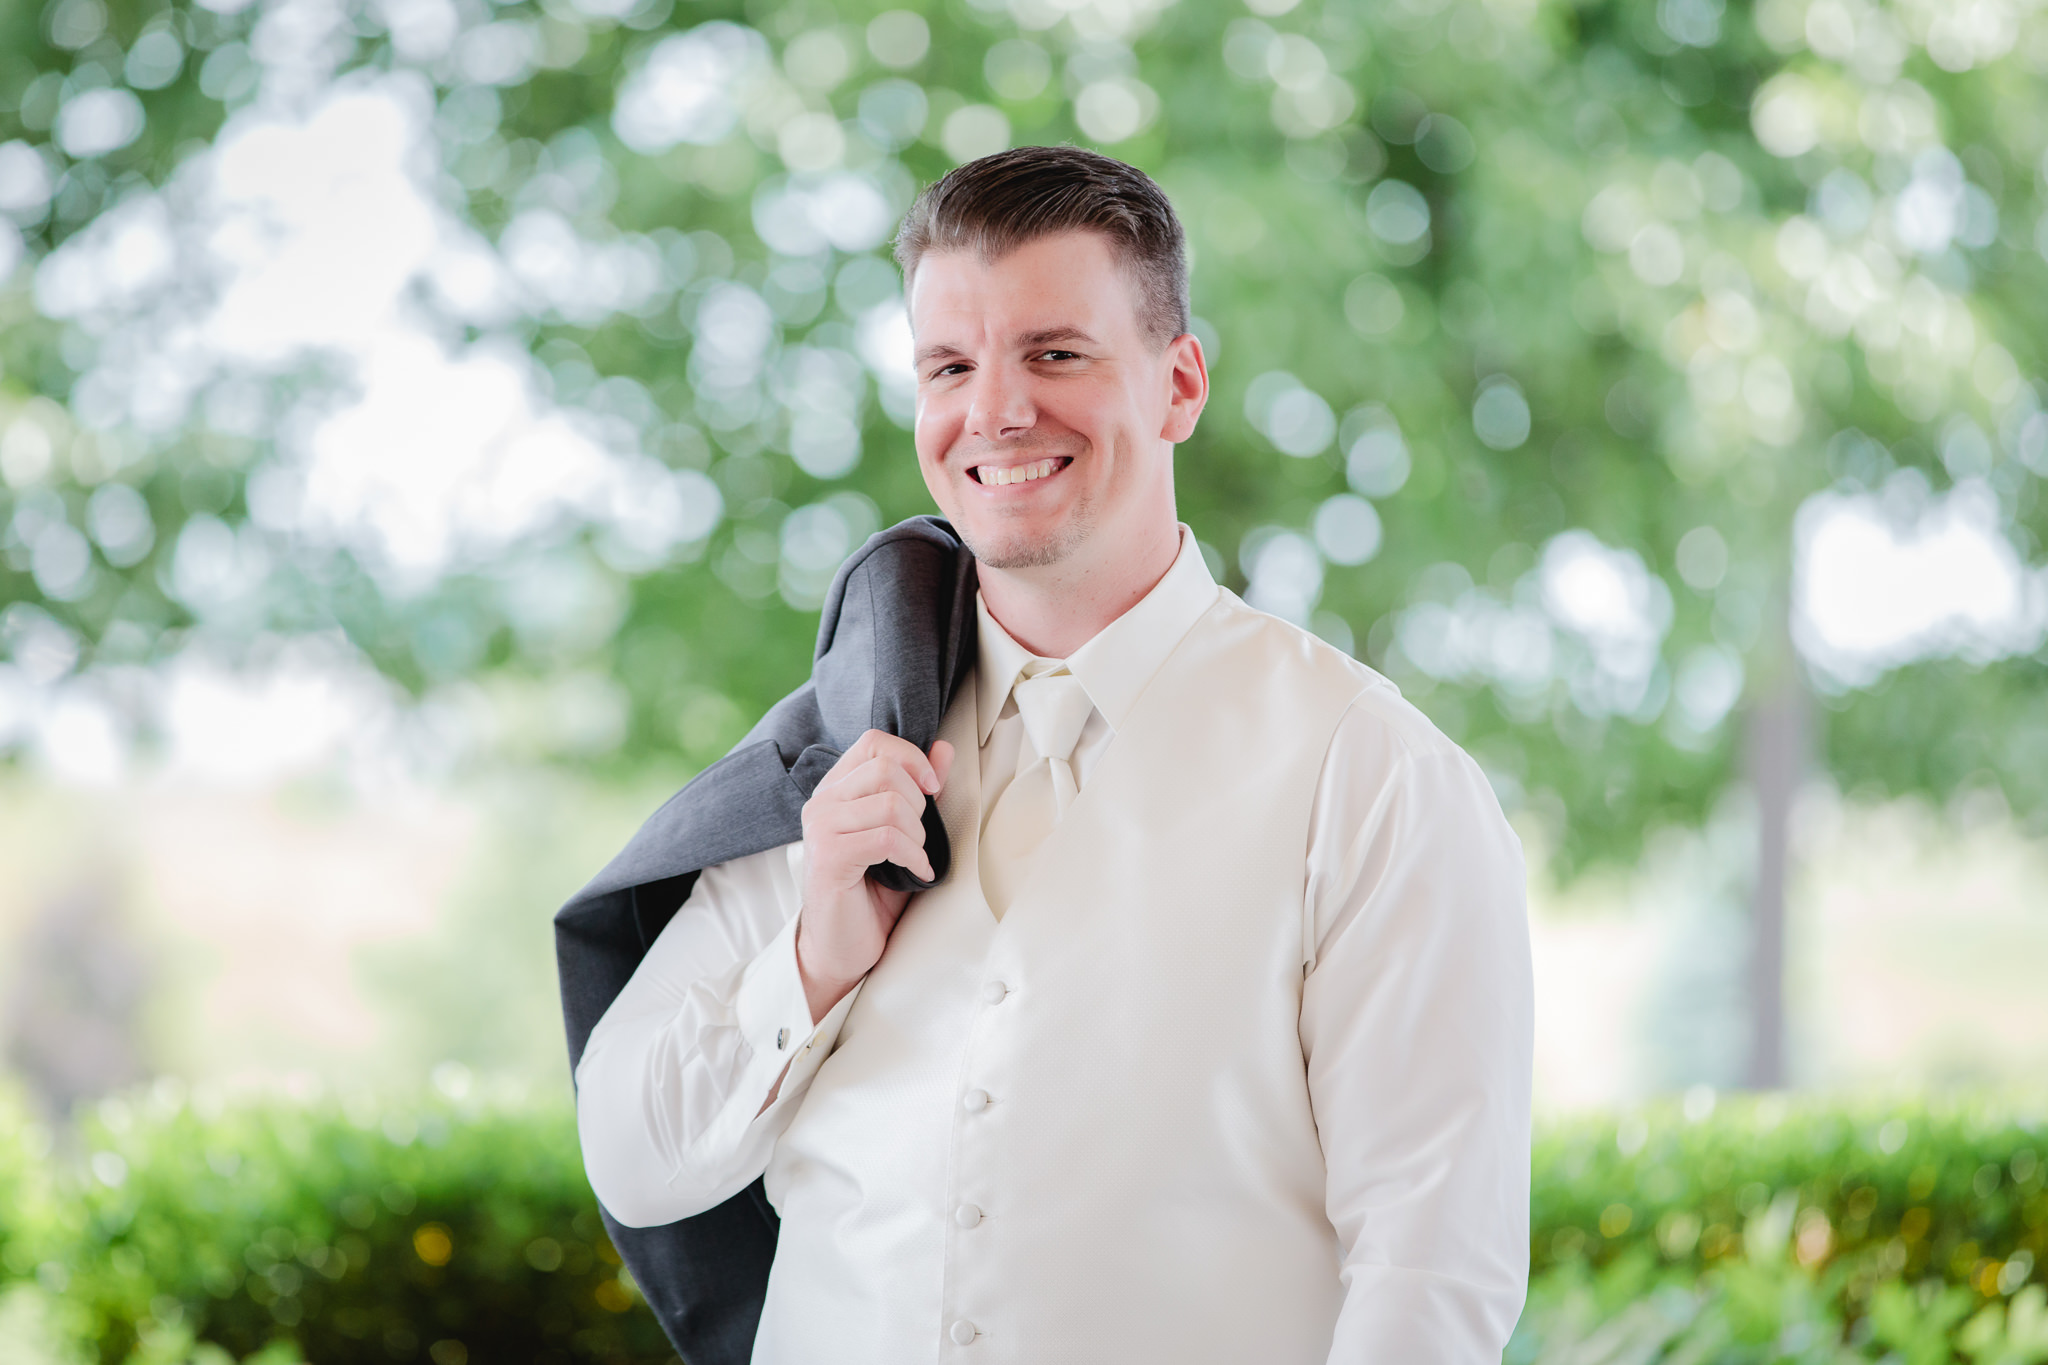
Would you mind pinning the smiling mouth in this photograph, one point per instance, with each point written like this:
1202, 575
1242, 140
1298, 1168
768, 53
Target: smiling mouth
996, 476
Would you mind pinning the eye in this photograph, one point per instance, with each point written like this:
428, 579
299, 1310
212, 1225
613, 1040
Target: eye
957, 367
1058, 355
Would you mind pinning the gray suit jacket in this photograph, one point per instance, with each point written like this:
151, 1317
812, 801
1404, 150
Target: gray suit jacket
895, 641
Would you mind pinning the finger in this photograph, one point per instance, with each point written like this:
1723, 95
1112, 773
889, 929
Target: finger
890, 810
879, 778
896, 811
912, 759
891, 845
862, 756
878, 775
851, 855
879, 746
942, 761
857, 756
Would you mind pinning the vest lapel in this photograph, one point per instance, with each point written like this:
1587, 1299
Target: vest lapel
1158, 697
960, 802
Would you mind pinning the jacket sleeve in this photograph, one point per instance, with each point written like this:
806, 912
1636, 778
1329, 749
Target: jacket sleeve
1417, 1029
670, 1090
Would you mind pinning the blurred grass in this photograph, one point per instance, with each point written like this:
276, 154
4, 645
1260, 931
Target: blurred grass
457, 1226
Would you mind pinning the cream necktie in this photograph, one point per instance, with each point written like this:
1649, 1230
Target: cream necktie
1054, 707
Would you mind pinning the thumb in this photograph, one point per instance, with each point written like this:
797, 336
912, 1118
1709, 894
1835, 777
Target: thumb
942, 760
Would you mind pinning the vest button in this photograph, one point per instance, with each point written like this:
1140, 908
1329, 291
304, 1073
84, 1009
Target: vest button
962, 1333
994, 992
975, 1101
967, 1215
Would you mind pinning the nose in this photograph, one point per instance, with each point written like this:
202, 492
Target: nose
1000, 407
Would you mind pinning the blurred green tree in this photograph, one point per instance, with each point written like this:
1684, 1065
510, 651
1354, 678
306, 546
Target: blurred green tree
1622, 378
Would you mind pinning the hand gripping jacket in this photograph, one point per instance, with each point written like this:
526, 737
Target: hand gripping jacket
896, 639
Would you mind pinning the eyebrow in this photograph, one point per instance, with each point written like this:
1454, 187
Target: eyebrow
936, 350
1029, 341
1032, 341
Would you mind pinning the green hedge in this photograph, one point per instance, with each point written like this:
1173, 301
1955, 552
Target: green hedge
1956, 1192
442, 1232
178, 1229
1773, 1231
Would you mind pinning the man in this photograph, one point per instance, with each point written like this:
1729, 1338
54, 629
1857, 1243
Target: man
1213, 1044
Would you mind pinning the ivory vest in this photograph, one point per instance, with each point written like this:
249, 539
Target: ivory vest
1111, 1077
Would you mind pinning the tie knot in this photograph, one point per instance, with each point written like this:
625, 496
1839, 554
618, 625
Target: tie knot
1055, 708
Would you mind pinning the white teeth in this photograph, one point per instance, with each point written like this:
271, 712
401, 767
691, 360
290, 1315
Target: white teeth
1023, 473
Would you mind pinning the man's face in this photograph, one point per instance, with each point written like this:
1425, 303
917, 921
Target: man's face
1045, 416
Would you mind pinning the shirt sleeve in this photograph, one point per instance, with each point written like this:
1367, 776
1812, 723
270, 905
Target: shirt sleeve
1417, 1025
670, 1089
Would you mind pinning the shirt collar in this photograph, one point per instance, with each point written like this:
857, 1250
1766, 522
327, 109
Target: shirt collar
1120, 659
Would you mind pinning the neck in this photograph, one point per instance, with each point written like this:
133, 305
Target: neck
1055, 609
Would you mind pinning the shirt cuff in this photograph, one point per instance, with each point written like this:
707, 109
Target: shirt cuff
775, 1020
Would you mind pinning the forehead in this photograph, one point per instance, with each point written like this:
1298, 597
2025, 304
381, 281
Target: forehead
1066, 279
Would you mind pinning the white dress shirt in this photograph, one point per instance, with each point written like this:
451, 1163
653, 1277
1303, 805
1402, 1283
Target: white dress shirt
1414, 1006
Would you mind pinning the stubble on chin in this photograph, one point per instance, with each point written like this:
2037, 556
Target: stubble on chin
1004, 548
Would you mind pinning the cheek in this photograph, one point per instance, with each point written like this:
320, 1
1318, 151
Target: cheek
933, 433
1106, 418
934, 428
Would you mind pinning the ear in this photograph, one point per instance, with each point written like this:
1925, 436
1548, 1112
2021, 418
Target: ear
1188, 380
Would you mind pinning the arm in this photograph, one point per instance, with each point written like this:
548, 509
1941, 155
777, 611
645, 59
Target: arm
682, 1090
1417, 1026
698, 1066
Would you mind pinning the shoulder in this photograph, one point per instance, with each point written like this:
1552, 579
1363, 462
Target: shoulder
1389, 766
1383, 716
1372, 708
1381, 749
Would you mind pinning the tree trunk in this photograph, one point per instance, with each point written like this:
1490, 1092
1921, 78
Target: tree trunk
1775, 753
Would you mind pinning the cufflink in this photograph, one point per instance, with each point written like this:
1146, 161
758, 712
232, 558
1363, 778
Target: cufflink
781, 1039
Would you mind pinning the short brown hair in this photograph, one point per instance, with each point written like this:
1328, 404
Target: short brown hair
993, 205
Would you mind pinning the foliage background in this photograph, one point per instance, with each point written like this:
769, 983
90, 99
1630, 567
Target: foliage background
1552, 287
